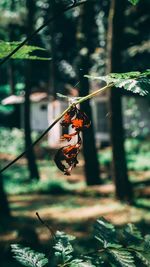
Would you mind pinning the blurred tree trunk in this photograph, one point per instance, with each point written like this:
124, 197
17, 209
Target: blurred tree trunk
114, 48
85, 35
11, 62
32, 166
4, 208
53, 64
11, 77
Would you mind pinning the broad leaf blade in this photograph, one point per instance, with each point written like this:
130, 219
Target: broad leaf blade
24, 52
28, 257
122, 258
135, 81
105, 232
140, 86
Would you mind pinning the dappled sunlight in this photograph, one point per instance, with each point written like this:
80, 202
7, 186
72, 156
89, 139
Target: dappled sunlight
74, 133
74, 209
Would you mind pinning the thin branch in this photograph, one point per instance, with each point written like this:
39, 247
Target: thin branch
56, 15
52, 234
84, 98
101, 90
36, 141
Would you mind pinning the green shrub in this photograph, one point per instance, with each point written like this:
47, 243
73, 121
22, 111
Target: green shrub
12, 140
52, 186
137, 152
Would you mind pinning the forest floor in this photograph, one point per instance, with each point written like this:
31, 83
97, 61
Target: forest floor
67, 204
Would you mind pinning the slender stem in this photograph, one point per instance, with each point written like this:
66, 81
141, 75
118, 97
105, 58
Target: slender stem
36, 141
99, 91
84, 98
52, 234
56, 15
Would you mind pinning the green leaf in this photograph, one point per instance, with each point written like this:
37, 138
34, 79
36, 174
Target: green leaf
134, 2
143, 257
132, 233
147, 242
145, 73
80, 263
105, 233
135, 81
125, 75
28, 257
122, 258
63, 251
141, 86
63, 247
112, 77
23, 53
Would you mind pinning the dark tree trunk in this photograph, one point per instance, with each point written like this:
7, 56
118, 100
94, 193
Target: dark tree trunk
92, 171
32, 166
86, 25
11, 77
4, 208
53, 64
115, 46
11, 68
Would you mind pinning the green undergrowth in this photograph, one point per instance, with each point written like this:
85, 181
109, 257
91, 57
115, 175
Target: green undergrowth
137, 150
137, 154
110, 247
52, 186
16, 181
12, 140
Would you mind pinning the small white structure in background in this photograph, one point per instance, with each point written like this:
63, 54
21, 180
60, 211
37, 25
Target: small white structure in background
43, 112
99, 106
55, 108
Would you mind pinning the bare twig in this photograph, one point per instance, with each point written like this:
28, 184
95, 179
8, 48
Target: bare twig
52, 234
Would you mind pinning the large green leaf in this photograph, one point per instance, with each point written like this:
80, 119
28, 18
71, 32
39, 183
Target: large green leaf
28, 257
121, 258
144, 258
132, 236
135, 81
105, 233
25, 52
63, 247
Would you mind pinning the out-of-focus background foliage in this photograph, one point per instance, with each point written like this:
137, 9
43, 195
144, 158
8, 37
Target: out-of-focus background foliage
113, 175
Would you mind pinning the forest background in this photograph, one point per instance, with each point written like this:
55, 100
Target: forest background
112, 179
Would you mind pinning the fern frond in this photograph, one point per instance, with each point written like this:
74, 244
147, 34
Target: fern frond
64, 250
24, 53
105, 232
135, 81
132, 234
140, 86
63, 247
145, 73
28, 257
144, 258
80, 263
147, 242
122, 258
